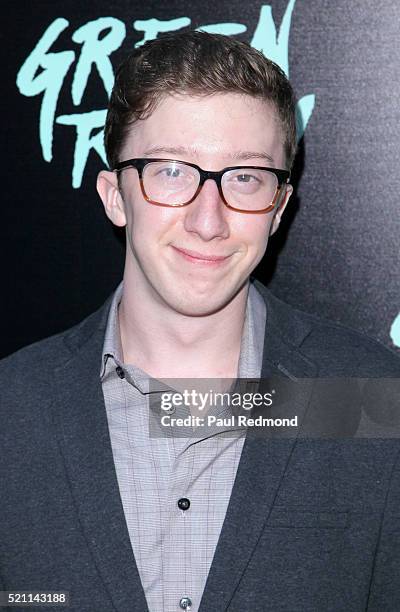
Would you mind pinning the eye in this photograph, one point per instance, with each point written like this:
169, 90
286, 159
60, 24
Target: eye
171, 172
246, 178
245, 181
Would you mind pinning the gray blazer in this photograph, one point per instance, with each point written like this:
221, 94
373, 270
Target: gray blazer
312, 525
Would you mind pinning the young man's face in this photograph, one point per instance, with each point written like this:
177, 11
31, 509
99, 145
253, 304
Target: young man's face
171, 251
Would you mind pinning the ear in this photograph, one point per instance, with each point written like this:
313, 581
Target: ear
282, 202
108, 190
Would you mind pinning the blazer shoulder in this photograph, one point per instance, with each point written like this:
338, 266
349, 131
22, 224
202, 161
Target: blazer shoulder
29, 367
336, 349
355, 353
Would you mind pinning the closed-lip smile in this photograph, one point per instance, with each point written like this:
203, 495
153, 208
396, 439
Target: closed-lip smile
196, 257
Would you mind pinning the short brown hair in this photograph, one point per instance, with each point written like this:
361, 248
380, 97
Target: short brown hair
201, 64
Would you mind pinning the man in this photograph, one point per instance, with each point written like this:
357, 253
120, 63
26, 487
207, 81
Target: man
200, 138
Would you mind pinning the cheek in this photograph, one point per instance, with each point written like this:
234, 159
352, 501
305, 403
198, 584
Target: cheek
253, 232
151, 224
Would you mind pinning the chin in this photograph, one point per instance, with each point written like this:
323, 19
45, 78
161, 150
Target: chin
191, 304
197, 310
191, 310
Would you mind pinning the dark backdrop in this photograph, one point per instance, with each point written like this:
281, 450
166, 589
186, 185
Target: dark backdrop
336, 253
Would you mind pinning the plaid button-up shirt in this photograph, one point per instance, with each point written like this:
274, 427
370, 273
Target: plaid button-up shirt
173, 547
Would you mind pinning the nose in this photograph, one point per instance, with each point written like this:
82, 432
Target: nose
206, 215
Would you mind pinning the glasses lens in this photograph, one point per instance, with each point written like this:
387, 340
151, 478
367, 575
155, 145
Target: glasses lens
249, 188
170, 182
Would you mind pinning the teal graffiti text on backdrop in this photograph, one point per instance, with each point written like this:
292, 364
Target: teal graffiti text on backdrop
43, 72
395, 331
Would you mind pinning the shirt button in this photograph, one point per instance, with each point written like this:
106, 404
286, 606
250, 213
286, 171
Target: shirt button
185, 603
183, 503
170, 410
120, 372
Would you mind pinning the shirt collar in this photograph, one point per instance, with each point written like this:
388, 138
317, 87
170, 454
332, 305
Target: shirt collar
252, 346
112, 346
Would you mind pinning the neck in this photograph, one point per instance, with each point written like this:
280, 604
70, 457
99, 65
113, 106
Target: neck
167, 344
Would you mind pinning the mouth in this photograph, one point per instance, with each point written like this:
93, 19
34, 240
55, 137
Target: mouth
201, 258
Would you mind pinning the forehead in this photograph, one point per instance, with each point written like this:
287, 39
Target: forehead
219, 126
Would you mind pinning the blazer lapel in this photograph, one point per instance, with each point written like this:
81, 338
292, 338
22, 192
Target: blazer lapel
82, 429
262, 466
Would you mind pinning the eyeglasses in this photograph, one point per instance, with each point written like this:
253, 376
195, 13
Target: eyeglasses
169, 182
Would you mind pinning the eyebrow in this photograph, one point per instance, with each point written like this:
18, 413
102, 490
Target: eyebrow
237, 155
